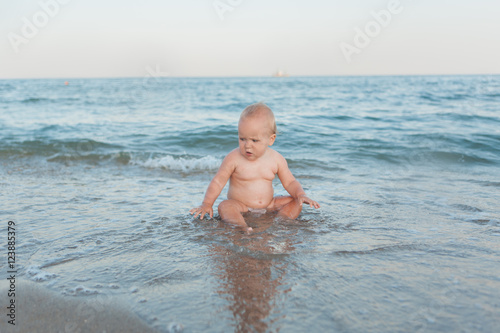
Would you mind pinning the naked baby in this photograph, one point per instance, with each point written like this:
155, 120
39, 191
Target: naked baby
250, 169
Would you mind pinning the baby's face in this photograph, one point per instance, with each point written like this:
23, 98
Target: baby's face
254, 136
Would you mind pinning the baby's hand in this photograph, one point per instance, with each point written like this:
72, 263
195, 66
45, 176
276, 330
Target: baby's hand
202, 210
303, 198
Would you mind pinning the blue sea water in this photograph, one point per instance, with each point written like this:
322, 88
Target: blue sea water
99, 176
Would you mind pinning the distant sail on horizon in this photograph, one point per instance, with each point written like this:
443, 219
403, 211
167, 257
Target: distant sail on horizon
280, 73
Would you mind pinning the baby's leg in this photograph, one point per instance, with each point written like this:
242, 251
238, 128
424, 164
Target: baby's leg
230, 212
287, 207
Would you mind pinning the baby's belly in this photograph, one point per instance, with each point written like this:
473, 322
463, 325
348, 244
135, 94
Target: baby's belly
253, 195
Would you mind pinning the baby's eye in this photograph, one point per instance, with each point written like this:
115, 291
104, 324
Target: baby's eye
255, 140
241, 139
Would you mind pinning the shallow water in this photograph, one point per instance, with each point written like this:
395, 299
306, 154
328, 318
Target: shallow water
99, 177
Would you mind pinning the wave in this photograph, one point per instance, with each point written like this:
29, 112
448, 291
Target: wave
52, 147
307, 163
465, 118
39, 100
118, 157
35, 100
220, 138
420, 149
444, 97
422, 157
492, 95
416, 151
183, 164
381, 249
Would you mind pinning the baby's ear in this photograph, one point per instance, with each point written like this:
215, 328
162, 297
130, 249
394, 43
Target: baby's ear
271, 139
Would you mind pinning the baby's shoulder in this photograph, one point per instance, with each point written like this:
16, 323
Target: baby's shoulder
275, 155
277, 159
233, 157
233, 154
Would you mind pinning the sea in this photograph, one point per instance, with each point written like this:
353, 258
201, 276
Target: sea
97, 177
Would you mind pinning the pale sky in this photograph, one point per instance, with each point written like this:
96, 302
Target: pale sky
128, 38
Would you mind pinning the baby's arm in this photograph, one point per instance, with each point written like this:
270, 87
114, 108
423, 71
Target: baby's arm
291, 184
215, 187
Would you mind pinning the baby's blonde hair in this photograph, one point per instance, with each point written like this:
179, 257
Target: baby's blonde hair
260, 108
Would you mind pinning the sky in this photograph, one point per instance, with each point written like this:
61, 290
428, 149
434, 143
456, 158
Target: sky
200, 38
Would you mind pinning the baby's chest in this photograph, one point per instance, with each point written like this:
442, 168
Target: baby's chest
256, 172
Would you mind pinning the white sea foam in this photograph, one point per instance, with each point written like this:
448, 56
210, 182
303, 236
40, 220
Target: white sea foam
206, 163
80, 291
37, 275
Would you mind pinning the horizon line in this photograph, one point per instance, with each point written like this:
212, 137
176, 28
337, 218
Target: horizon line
241, 76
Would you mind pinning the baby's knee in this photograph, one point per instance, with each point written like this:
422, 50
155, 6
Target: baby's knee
228, 205
291, 210
222, 206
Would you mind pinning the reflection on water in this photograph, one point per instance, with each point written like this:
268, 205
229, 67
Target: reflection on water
251, 270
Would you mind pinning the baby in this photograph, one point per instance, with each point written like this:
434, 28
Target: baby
250, 169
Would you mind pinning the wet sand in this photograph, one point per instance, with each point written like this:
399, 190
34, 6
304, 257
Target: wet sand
41, 310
